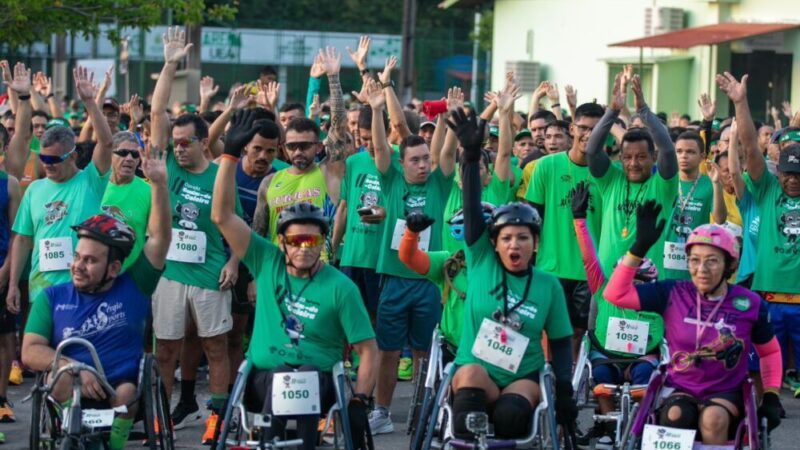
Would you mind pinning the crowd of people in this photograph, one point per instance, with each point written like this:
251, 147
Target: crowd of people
298, 236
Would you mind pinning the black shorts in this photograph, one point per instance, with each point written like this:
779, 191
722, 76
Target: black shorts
369, 284
736, 397
258, 392
579, 298
239, 303
8, 321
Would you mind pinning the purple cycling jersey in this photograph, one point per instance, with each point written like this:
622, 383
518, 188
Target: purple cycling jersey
708, 356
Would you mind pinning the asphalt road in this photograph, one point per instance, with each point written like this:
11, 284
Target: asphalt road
786, 437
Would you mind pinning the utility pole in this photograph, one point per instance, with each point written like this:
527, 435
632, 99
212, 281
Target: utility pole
406, 88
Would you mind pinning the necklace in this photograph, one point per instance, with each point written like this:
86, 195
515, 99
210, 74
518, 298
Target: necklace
685, 200
630, 208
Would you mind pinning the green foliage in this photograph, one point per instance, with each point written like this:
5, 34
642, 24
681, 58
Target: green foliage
485, 30
26, 21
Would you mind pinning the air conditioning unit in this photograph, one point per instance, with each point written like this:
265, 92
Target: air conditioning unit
662, 20
527, 73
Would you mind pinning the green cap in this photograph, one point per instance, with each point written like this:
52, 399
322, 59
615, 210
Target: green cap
793, 136
522, 133
190, 108
494, 130
73, 115
58, 121
716, 124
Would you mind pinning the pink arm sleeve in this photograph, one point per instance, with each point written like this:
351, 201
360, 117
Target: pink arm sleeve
620, 290
594, 273
411, 255
771, 363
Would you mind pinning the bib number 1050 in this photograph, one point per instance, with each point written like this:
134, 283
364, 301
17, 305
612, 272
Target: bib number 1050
296, 394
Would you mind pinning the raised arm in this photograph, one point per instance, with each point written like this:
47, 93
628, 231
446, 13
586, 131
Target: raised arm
19, 147
536, 98
36, 95
437, 141
555, 103
719, 212
377, 101
737, 92
223, 213
505, 102
261, 216
207, 91
336, 142
175, 49
470, 136
734, 164
13, 100
86, 89
598, 159
591, 264
572, 99
667, 158
239, 100
396, 116
708, 109
159, 227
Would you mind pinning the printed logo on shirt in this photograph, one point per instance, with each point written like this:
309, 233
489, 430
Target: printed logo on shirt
789, 226
727, 348
682, 223
114, 212
56, 210
414, 204
106, 317
187, 215
741, 303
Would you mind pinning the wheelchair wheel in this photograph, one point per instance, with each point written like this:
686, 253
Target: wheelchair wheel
417, 396
157, 423
45, 424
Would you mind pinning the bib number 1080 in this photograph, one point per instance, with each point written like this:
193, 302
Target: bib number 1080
295, 394
500, 347
186, 247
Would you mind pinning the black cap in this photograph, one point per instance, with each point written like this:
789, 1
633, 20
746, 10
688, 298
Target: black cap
111, 103
789, 159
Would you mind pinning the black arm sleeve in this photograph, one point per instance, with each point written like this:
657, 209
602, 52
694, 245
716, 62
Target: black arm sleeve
705, 126
599, 161
667, 159
561, 355
474, 223
762, 331
539, 208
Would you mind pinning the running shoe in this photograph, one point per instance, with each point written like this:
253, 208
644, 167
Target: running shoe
185, 414
598, 431
405, 370
211, 428
6, 413
791, 380
15, 377
380, 421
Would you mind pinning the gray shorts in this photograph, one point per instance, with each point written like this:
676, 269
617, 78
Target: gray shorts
173, 302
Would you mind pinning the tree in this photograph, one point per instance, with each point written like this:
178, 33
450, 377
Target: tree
27, 21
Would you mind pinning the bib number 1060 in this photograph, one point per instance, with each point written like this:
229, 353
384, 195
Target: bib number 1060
295, 394
499, 347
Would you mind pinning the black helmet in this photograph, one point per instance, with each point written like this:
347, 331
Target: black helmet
302, 212
109, 231
516, 213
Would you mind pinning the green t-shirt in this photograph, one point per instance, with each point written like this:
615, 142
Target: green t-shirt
327, 307
46, 213
692, 209
453, 310
496, 192
129, 203
778, 257
606, 310
361, 188
620, 201
545, 308
400, 198
190, 198
518, 174
552, 185
279, 164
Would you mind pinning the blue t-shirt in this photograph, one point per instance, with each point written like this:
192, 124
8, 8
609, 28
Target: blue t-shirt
113, 321
751, 220
247, 187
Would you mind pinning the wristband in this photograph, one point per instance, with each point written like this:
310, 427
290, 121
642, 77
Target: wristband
24, 97
555, 105
386, 85
50, 95
365, 72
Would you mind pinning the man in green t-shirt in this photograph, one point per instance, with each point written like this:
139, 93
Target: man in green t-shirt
550, 191
306, 312
64, 198
409, 305
624, 187
127, 197
700, 199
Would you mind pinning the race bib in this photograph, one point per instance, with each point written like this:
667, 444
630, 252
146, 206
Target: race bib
187, 246
55, 254
295, 393
97, 418
656, 437
400, 228
675, 256
500, 346
627, 335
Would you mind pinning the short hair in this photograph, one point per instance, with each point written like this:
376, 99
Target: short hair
303, 125
8, 115
267, 129
639, 135
411, 140
365, 119
200, 127
40, 113
210, 116
292, 106
686, 117
543, 114
693, 136
719, 157
560, 124
4, 138
592, 110
123, 136
412, 120
268, 70
59, 135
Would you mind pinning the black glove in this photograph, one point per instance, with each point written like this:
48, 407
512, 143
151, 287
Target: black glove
647, 230
566, 409
771, 409
359, 424
240, 132
469, 133
418, 221
580, 200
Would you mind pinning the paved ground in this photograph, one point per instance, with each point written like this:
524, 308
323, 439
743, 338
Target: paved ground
787, 437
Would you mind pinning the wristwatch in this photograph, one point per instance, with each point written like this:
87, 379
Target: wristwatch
389, 84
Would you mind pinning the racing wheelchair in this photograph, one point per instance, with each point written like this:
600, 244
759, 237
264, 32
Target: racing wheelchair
78, 426
244, 429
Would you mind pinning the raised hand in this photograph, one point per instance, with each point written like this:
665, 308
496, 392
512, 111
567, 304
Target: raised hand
41, 84
713, 169
638, 93
331, 60
735, 90
315, 108
361, 95
109, 76
4, 67
240, 132
469, 133
135, 109
386, 76
317, 69
619, 93
21, 81
708, 108
268, 94
84, 83
175, 46
787, 108
580, 200
489, 97
418, 221
207, 88
154, 164
240, 97
572, 95
627, 73
648, 227
373, 94
505, 99
540, 91
552, 93
360, 55
455, 98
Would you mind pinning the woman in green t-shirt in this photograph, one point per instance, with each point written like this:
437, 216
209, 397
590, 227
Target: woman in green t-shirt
509, 304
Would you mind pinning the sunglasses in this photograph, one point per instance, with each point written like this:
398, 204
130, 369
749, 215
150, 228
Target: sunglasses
124, 153
184, 142
302, 146
304, 240
50, 159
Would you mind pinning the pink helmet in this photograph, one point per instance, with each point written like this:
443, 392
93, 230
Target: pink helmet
715, 236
